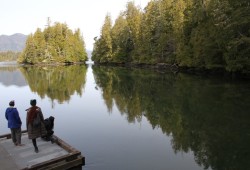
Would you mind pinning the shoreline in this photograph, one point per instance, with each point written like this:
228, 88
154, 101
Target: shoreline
163, 67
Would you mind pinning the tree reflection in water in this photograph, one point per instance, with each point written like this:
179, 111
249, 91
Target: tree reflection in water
208, 116
56, 82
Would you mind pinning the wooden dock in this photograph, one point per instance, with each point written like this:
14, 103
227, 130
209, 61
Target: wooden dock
51, 156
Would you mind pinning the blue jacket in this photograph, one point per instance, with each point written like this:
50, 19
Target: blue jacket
13, 118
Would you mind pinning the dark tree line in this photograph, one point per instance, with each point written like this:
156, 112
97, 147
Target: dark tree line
203, 34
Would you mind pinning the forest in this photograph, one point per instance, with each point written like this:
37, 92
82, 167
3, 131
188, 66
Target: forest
203, 35
56, 44
9, 55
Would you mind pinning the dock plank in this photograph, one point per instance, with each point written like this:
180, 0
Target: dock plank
23, 157
6, 161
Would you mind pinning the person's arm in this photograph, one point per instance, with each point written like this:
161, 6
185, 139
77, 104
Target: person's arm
27, 118
18, 117
6, 114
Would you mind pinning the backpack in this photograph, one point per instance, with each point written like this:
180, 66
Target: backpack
49, 125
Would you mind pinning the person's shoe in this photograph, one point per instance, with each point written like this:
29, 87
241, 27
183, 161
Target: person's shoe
36, 149
20, 144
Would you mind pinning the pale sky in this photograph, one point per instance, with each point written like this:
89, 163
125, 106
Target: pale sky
25, 16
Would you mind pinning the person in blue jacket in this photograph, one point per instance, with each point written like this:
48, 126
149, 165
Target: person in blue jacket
14, 123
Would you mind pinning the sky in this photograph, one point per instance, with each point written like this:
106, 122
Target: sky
25, 16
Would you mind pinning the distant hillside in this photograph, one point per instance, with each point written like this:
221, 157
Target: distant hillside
15, 42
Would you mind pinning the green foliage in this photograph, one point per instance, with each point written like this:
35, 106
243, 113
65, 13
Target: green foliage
237, 43
205, 34
152, 27
9, 56
120, 40
118, 43
158, 34
103, 46
134, 17
56, 44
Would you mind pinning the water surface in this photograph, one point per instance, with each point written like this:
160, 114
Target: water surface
137, 119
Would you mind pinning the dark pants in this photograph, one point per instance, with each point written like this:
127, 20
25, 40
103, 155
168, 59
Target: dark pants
16, 135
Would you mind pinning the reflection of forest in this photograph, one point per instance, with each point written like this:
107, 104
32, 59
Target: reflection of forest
57, 82
10, 75
209, 117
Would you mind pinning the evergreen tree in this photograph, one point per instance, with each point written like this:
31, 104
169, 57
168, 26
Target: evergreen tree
133, 18
56, 43
237, 40
102, 51
203, 34
120, 40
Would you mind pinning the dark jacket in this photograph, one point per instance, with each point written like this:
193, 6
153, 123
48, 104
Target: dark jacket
35, 132
13, 118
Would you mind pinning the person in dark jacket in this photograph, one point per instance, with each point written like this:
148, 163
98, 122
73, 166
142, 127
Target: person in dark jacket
14, 123
35, 131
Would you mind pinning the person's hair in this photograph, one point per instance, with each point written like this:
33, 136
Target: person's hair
12, 103
33, 102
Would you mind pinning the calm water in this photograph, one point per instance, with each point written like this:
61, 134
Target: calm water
133, 119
